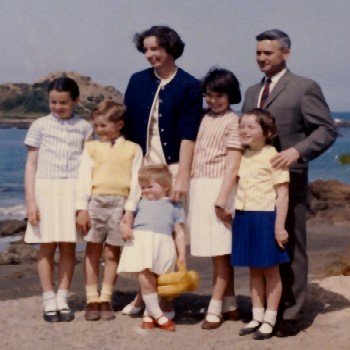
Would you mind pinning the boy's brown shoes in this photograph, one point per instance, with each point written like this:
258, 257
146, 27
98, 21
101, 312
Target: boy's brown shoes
92, 311
106, 311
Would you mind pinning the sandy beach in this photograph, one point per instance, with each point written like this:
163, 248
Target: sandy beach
327, 313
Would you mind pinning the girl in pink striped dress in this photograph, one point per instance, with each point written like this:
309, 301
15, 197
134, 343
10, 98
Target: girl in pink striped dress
216, 160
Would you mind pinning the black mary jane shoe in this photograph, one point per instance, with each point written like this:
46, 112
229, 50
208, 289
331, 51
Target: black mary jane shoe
257, 335
65, 315
249, 330
51, 316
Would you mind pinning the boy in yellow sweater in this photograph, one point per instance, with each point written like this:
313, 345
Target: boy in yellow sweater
107, 187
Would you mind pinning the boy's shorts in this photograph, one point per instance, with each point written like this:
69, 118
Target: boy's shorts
105, 214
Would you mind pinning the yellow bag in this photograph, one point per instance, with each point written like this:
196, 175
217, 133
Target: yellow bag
172, 284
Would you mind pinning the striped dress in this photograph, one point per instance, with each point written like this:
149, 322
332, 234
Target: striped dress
60, 145
209, 237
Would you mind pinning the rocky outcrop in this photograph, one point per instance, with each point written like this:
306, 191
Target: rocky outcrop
330, 200
21, 103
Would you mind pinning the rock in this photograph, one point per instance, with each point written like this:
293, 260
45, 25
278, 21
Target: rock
12, 227
18, 253
330, 200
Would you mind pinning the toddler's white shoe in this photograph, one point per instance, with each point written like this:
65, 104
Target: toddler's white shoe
131, 310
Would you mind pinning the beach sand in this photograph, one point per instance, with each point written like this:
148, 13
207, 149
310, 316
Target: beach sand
325, 323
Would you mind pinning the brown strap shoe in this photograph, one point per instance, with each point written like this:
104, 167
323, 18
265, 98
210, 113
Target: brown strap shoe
106, 311
92, 311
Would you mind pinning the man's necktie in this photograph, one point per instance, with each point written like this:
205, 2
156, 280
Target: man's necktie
265, 93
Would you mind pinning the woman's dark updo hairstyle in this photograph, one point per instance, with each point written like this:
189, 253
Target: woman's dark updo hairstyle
65, 84
223, 81
167, 38
266, 121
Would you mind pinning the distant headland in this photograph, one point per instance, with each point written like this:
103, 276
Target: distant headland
21, 103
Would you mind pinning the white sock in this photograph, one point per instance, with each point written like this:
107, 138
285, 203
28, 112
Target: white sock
258, 317
229, 303
152, 304
49, 301
270, 317
214, 310
61, 299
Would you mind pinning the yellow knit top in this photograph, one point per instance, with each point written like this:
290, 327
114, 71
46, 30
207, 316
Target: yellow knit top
112, 166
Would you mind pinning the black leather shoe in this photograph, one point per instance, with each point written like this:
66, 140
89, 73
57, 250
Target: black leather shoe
51, 316
249, 330
261, 336
65, 315
287, 329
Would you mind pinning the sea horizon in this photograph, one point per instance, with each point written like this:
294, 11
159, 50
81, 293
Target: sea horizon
13, 157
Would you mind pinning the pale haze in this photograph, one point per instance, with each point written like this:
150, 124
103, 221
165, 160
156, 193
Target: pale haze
94, 38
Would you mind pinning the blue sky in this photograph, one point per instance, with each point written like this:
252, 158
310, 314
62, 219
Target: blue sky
94, 37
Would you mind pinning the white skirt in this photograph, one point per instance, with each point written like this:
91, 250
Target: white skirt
209, 236
148, 250
56, 201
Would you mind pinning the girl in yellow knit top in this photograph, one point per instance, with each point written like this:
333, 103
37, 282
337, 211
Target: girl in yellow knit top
107, 186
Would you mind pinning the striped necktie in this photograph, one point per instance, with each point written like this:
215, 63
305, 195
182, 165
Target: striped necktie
265, 93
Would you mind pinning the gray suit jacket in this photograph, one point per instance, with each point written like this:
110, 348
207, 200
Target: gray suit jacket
302, 116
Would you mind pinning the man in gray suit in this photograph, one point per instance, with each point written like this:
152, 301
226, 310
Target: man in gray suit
305, 130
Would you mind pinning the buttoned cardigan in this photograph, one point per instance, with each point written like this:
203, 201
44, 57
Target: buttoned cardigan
180, 110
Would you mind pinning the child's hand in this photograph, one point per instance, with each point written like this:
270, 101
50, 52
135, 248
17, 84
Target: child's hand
33, 214
83, 221
224, 215
126, 231
181, 261
281, 236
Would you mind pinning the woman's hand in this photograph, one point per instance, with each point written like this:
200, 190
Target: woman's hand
83, 221
180, 189
33, 213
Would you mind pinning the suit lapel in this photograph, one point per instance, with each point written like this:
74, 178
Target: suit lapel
280, 86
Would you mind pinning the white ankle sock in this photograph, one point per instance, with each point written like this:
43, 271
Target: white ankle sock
61, 299
152, 304
49, 301
269, 321
258, 317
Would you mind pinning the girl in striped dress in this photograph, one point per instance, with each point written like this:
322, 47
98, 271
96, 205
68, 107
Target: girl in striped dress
55, 144
215, 165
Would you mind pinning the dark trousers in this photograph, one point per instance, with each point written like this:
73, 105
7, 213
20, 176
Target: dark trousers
295, 273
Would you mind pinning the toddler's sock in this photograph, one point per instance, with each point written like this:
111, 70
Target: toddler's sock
92, 294
61, 299
214, 310
269, 321
49, 301
229, 303
106, 293
152, 305
258, 317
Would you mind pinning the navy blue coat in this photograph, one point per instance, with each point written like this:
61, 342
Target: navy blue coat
180, 110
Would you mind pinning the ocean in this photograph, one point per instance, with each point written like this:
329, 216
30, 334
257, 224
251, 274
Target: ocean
13, 157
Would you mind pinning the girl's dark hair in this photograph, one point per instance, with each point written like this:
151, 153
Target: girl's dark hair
65, 84
223, 81
266, 121
167, 38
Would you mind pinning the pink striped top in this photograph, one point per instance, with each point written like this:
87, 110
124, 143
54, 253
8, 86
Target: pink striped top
216, 134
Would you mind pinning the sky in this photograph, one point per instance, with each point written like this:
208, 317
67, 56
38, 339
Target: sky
94, 38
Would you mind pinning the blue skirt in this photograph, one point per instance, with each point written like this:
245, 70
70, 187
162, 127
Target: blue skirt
254, 241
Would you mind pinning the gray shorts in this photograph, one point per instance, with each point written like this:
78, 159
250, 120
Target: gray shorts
105, 213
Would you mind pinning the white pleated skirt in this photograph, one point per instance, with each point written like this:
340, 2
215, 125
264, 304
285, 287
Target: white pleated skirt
148, 250
208, 235
56, 201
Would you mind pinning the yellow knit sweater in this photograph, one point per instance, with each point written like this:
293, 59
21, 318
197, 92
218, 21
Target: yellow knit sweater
112, 167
